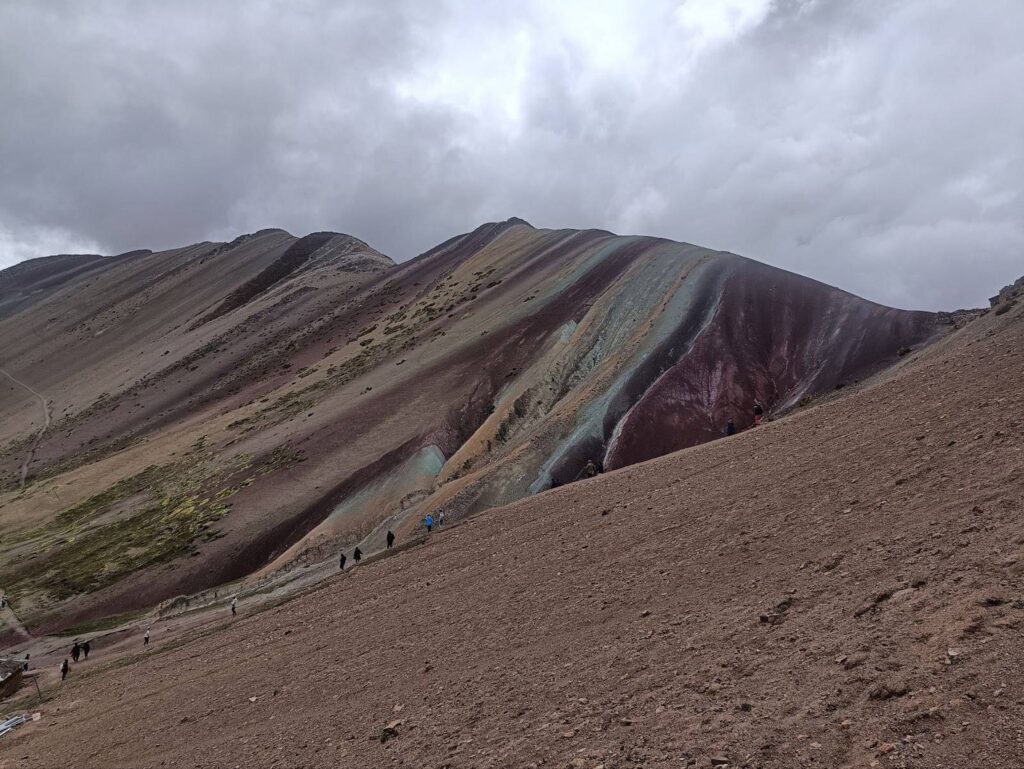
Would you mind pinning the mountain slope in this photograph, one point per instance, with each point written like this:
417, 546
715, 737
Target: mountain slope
225, 408
843, 587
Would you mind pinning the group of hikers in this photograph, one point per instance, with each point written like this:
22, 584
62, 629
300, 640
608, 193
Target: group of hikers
389, 540
730, 426
79, 651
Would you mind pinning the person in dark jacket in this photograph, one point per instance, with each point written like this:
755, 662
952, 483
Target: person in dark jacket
76, 652
341, 562
589, 469
730, 428
391, 539
85, 649
64, 668
357, 554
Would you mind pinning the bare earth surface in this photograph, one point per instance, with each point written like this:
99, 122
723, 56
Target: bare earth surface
841, 588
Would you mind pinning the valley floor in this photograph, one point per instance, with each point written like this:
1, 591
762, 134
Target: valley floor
841, 588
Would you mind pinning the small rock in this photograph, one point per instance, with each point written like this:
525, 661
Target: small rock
252, 699
889, 690
719, 761
645, 613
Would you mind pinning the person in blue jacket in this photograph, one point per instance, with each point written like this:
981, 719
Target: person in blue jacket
429, 523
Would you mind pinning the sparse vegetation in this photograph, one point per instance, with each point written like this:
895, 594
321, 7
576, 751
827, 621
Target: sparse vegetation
288, 405
177, 505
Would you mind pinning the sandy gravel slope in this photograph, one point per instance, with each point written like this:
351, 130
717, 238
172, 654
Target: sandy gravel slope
842, 588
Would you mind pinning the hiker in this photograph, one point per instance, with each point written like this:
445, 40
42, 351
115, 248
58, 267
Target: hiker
440, 519
391, 539
429, 522
589, 469
145, 638
730, 428
357, 554
341, 562
758, 413
3, 602
24, 665
234, 605
64, 668
76, 652
85, 649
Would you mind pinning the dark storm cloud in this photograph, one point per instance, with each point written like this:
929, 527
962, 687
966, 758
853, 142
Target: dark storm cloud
874, 144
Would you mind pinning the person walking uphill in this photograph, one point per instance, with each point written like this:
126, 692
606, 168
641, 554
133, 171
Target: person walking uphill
234, 605
391, 539
758, 413
85, 649
341, 562
357, 554
145, 638
730, 428
429, 523
76, 652
64, 668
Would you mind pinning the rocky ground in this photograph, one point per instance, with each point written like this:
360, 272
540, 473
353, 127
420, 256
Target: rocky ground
840, 588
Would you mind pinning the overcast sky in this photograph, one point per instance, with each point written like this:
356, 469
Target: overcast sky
877, 145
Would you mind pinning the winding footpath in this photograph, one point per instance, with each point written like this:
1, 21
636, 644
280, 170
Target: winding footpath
45, 404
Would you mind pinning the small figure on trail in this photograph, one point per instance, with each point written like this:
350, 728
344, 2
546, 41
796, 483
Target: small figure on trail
76, 652
440, 519
357, 554
758, 413
24, 665
3, 602
341, 562
64, 668
589, 469
730, 428
85, 649
145, 638
391, 539
429, 522
234, 605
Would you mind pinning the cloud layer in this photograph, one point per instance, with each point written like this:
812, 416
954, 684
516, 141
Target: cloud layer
876, 144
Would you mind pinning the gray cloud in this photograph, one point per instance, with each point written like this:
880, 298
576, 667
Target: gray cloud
875, 145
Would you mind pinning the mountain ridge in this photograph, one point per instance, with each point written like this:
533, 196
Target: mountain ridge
321, 392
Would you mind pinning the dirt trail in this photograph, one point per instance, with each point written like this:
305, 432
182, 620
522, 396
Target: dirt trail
9, 619
45, 405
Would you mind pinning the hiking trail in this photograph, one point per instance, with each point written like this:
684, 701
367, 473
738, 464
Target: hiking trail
45, 404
